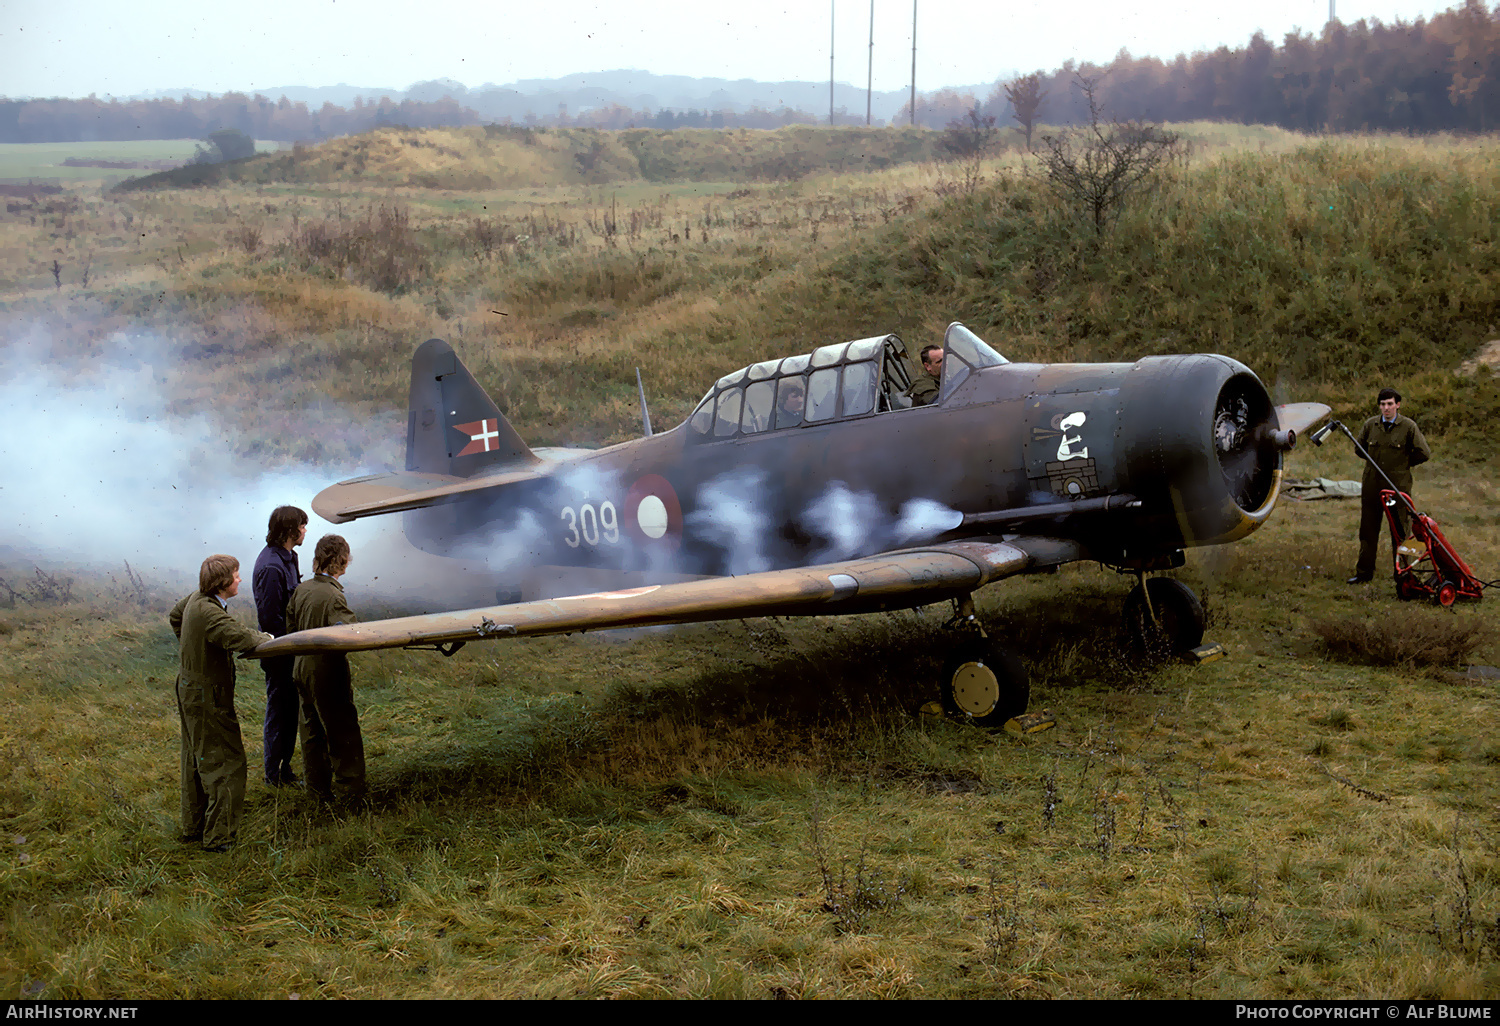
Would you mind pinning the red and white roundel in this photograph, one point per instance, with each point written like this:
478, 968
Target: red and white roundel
653, 516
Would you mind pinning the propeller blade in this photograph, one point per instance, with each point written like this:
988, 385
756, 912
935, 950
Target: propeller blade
1299, 417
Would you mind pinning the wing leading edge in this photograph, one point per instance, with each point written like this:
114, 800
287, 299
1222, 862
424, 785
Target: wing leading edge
894, 580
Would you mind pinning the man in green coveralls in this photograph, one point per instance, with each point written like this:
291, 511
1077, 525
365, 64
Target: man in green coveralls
333, 752
1395, 445
213, 752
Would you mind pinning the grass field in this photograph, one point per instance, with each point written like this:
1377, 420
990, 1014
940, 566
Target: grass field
45, 160
757, 809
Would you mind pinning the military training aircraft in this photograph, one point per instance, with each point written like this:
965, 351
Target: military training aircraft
813, 484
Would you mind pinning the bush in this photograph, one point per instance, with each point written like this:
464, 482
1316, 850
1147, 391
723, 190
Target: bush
379, 248
1413, 637
225, 144
1096, 168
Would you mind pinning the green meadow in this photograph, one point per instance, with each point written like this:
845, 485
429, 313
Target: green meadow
760, 808
46, 161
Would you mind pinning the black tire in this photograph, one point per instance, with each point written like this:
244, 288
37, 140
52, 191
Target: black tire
1179, 619
985, 684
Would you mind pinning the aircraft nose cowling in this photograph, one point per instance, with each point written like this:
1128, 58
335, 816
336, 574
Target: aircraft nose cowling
1204, 449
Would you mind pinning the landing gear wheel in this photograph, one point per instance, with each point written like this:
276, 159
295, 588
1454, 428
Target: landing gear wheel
985, 684
1179, 622
1446, 594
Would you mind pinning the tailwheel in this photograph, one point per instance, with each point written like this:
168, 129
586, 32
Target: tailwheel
1172, 625
985, 684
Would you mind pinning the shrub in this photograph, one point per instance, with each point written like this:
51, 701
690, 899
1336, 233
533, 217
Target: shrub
1415, 637
377, 247
1096, 168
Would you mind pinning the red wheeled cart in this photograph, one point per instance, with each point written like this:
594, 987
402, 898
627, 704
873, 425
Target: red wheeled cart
1427, 567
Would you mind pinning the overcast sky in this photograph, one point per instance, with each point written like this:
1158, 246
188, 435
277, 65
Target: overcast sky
115, 47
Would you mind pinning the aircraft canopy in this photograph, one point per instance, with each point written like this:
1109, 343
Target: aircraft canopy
834, 382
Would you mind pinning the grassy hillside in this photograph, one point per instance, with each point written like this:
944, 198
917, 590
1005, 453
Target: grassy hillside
504, 157
754, 809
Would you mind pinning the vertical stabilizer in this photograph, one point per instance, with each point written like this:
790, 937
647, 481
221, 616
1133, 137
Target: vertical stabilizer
453, 426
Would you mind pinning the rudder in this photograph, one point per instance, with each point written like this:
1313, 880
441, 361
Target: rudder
453, 427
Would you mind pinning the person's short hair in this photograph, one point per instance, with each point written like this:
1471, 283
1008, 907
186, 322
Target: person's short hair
285, 522
216, 574
332, 553
926, 350
1388, 393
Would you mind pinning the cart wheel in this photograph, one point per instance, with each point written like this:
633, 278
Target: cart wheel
1407, 589
1447, 594
1179, 619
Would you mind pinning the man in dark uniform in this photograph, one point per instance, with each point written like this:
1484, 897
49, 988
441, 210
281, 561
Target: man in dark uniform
276, 577
333, 752
793, 400
1395, 445
213, 752
924, 389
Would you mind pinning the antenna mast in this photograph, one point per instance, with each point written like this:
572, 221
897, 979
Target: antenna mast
830, 60
914, 62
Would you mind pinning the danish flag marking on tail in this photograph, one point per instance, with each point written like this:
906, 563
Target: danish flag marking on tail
483, 435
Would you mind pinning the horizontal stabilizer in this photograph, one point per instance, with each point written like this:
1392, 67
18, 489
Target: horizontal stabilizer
894, 580
397, 492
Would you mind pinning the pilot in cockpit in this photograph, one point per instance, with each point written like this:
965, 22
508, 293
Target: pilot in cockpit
924, 388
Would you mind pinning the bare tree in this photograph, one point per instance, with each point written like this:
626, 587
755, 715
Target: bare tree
1026, 95
971, 135
1097, 167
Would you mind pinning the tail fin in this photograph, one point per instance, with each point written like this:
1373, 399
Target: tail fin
453, 427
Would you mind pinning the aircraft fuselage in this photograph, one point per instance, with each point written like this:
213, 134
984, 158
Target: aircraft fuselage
1188, 437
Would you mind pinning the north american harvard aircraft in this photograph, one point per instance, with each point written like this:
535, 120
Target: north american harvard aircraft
812, 485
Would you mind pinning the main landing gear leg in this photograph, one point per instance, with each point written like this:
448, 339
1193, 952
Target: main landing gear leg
983, 682
1163, 618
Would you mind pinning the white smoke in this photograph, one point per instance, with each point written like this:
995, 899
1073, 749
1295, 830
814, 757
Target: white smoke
847, 520
856, 524
924, 519
730, 516
95, 468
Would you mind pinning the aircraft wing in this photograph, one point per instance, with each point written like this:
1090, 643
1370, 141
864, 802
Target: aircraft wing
893, 580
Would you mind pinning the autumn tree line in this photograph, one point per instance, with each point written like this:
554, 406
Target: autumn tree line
1420, 76
1432, 75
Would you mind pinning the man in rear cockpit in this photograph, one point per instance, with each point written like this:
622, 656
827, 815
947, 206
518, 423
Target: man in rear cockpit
790, 408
